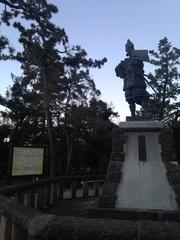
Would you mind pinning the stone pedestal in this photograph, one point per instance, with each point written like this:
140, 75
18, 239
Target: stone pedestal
143, 173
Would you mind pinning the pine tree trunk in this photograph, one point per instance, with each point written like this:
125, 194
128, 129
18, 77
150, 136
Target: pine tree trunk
49, 127
68, 135
69, 154
162, 110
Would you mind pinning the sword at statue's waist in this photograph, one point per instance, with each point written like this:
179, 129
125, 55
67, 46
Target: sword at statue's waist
147, 82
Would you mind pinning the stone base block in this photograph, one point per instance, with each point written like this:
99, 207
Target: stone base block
117, 156
108, 197
168, 156
174, 178
135, 214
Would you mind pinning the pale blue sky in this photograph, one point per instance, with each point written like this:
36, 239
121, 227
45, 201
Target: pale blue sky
102, 27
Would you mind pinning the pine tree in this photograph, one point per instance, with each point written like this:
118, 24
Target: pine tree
6, 51
164, 80
60, 79
78, 88
39, 37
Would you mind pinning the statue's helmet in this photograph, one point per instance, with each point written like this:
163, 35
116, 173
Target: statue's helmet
129, 47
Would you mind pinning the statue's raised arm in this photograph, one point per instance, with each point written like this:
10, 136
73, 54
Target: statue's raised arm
131, 70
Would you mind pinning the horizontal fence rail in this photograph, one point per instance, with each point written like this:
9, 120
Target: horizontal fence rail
19, 222
17, 202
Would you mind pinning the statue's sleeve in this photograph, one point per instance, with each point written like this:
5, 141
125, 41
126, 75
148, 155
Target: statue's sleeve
120, 70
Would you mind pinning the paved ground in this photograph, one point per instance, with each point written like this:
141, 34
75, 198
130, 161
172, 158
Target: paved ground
72, 207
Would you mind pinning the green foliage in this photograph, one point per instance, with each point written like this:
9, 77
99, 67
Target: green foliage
6, 51
88, 132
5, 132
23, 112
31, 10
165, 80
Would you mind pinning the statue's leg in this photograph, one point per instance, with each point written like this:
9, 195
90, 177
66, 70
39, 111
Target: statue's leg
144, 104
130, 100
132, 107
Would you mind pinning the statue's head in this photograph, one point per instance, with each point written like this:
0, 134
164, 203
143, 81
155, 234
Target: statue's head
129, 47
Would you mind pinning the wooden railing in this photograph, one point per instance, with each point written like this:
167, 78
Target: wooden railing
17, 202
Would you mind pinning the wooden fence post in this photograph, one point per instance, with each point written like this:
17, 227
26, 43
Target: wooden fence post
17, 233
96, 188
51, 193
85, 189
3, 227
74, 189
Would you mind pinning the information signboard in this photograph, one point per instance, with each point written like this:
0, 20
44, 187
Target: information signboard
27, 161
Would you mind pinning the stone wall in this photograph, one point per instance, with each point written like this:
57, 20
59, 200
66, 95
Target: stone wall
108, 197
169, 158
